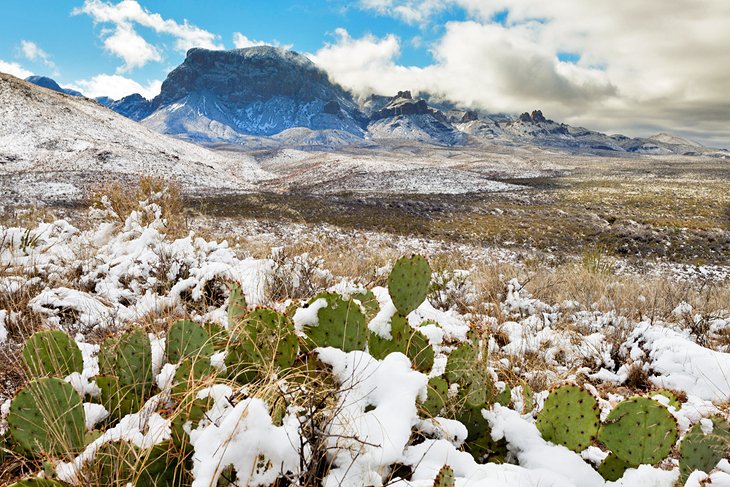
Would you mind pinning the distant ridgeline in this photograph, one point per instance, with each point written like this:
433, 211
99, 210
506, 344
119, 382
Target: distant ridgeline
240, 95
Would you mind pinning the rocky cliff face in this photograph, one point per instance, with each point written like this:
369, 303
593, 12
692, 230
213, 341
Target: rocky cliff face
219, 95
133, 106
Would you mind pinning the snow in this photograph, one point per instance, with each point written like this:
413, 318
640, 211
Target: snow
677, 362
238, 437
305, 317
368, 442
3, 329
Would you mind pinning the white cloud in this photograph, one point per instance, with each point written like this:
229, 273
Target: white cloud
642, 66
115, 86
32, 52
129, 45
240, 41
15, 69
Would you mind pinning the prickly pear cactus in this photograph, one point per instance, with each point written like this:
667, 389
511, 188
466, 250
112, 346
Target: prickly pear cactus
47, 416
700, 451
408, 283
419, 350
108, 356
118, 401
237, 306
466, 366
189, 372
570, 418
673, 399
265, 339
187, 339
341, 324
445, 477
613, 468
51, 353
368, 302
438, 392
639, 431
406, 340
133, 364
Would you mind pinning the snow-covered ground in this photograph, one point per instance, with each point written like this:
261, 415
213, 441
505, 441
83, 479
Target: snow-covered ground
91, 282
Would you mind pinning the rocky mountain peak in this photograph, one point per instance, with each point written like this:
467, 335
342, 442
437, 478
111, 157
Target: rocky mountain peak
259, 90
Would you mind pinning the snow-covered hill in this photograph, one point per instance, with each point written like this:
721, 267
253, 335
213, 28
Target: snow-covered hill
53, 142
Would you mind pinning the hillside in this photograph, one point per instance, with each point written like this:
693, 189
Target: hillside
80, 142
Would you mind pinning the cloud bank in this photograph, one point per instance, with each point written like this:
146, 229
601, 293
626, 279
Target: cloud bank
637, 67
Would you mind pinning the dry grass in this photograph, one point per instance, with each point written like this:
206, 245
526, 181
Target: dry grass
123, 200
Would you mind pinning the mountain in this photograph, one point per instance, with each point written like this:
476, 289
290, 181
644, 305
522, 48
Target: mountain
406, 118
48, 139
51, 84
219, 96
133, 106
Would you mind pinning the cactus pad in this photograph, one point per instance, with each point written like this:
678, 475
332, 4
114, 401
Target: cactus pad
47, 416
438, 392
189, 372
639, 431
445, 477
264, 339
187, 339
369, 303
51, 353
236, 305
612, 468
703, 452
341, 324
673, 399
408, 283
570, 418
133, 363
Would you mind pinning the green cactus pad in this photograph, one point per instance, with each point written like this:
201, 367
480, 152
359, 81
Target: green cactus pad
408, 283
639, 431
438, 393
264, 339
445, 477
187, 339
51, 353
703, 452
419, 350
190, 371
47, 416
369, 304
460, 363
237, 306
472, 417
341, 324
570, 418
613, 468
108, 356
673, 399
133, 363
118, 401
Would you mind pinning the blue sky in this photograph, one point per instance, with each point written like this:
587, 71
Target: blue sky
74, 45
618, 66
